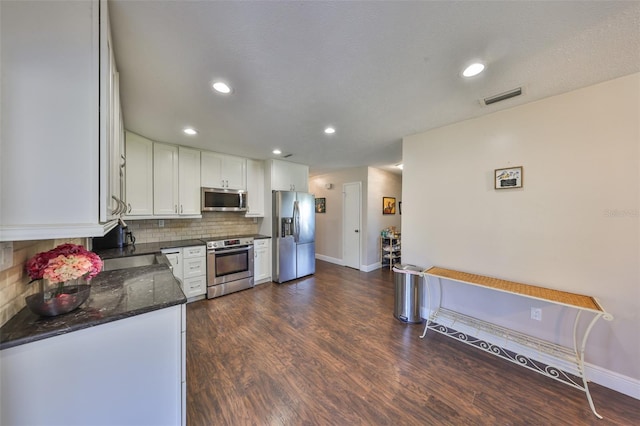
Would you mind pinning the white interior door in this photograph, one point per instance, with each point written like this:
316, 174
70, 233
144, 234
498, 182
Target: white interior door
351, 232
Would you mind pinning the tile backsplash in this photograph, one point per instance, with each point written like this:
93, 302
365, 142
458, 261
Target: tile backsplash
14, 281
212, 224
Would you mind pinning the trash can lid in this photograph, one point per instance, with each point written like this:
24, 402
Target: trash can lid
408, 269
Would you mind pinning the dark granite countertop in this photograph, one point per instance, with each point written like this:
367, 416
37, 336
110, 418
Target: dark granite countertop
114, 295
147, 248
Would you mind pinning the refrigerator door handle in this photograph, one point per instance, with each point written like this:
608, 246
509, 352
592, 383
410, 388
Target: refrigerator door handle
296, 222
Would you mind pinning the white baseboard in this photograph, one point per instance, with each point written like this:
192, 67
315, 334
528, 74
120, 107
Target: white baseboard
596, 374
372, 267
363, 268
330, 259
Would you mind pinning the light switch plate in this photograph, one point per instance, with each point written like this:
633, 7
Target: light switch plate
6, 255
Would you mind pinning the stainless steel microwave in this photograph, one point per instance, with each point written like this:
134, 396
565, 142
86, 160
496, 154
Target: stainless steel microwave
223, 200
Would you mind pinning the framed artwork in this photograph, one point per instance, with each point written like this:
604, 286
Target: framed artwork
388, 205
321, 205
508, 178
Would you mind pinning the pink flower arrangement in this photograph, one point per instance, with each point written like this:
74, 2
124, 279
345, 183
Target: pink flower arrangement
64, 263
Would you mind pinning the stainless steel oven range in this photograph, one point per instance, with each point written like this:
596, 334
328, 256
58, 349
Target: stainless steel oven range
229, 266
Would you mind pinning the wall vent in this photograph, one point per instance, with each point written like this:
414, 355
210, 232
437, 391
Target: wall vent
502, 96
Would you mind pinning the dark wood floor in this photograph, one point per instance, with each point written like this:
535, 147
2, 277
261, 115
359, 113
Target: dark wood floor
326, 350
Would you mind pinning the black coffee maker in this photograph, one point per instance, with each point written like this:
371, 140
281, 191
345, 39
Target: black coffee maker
118, 237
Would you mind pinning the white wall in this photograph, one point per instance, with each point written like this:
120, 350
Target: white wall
329, 225
376, 184
381, 184
574, 226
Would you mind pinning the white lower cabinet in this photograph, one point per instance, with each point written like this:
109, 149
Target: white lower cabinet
190, 268
262, 261
125, 372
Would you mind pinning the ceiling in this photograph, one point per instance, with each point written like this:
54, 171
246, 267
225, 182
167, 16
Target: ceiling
376, 71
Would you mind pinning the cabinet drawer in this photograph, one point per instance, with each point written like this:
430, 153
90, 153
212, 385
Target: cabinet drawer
261, 243
194, 267
195, 286
197, 251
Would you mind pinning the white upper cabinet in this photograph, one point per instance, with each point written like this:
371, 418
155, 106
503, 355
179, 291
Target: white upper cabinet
112, 202
286, 176
189, 180
51, 128
165, 179
139, 175
255, 188
162, 180
223, 171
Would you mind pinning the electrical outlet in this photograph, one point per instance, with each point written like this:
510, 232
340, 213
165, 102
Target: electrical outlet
160, 223
6, 255
536, 314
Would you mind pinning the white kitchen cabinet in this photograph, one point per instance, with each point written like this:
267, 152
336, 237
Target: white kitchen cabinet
262, 261
195, 272
139, 175
174, 255
112, 196
223, 171
255, 188
189, 180
125, 372
52, 127
165, 179
286, 176
162, 180
190, 268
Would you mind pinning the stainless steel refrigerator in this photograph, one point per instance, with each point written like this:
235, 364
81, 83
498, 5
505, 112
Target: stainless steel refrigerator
294, 229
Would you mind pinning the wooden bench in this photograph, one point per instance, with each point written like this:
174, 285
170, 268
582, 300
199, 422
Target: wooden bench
440, 316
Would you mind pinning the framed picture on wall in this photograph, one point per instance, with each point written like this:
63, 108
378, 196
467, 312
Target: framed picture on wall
388, 205
508, 178
321, 205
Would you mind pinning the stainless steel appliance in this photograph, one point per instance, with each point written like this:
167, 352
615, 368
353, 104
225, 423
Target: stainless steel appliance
223, 200
294, 228
229, 266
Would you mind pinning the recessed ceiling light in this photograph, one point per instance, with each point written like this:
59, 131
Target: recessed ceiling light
473, 69
221, 87
277, 152
190, 131
329, 130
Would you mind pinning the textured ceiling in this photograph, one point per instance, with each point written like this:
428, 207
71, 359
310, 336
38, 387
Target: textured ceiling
377, 71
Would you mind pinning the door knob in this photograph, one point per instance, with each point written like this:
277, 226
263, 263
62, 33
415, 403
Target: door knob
357, 230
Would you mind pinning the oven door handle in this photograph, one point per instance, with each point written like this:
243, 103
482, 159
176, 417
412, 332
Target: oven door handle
229, 250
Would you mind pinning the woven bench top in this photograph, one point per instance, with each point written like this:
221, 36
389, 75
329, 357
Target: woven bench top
542, 293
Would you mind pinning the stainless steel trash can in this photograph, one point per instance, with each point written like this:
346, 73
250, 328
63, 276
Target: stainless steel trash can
408, 293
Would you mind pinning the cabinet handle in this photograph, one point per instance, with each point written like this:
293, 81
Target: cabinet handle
117, 210
181, 209
175, 208
129, 211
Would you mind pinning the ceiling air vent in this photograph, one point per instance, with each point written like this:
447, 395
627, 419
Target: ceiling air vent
502, 96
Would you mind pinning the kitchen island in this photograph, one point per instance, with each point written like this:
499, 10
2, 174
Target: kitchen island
118, 359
